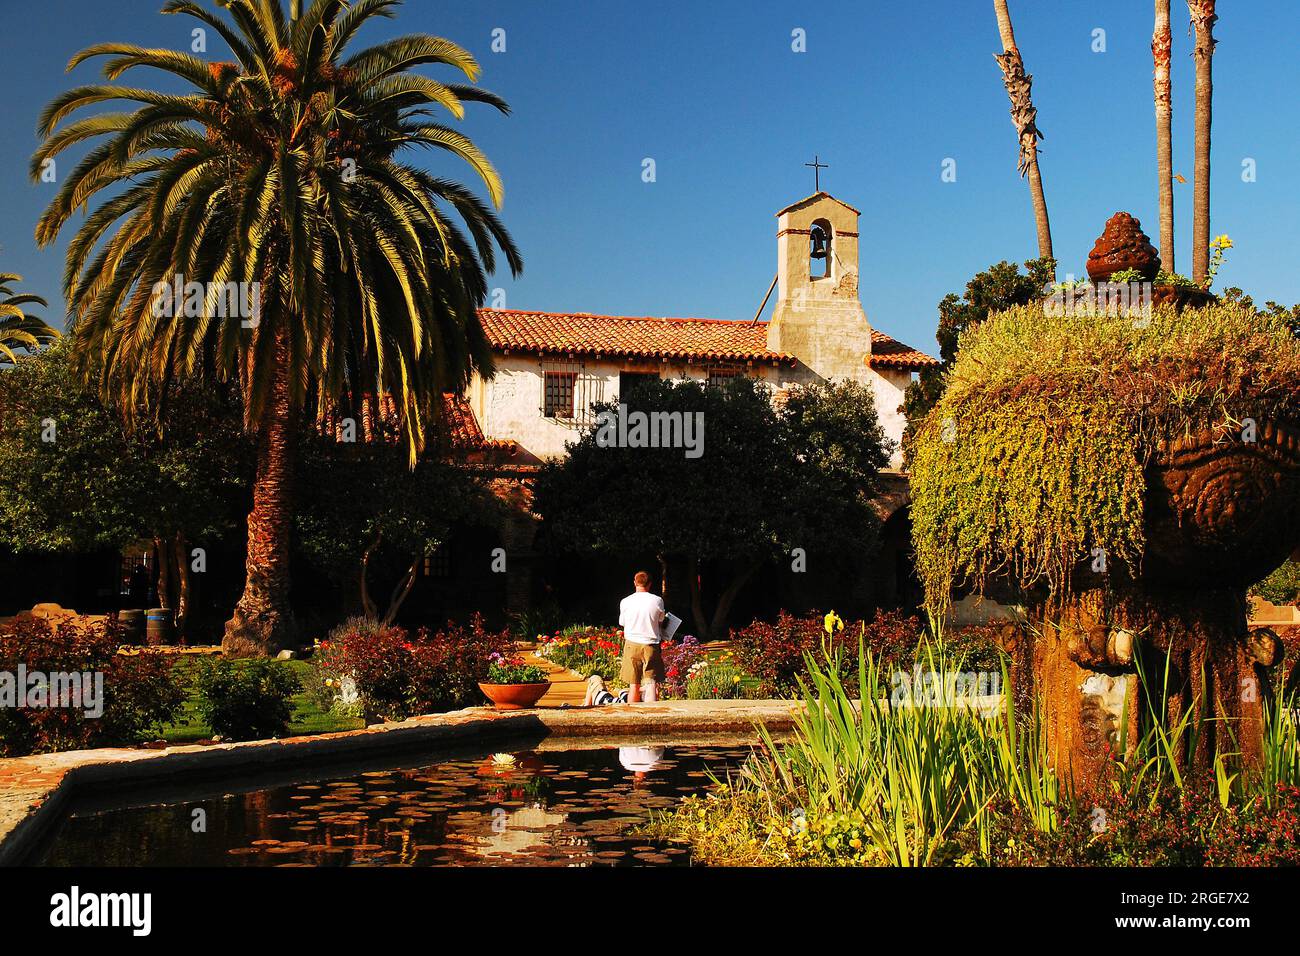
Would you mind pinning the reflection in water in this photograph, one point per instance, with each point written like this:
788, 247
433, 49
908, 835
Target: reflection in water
561, 808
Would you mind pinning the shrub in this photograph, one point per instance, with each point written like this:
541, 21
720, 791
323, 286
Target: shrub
774, 653
585, 650
1187, 828
246, 700
1282, 586
398, 675
681, 658
140, 692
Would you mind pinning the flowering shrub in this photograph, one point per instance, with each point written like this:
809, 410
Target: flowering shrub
246, 700
397, 675
773, 653
586, 650
140, 692
504, 669
1174, 828
681, 659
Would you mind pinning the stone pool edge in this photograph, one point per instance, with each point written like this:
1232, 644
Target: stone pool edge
34, 790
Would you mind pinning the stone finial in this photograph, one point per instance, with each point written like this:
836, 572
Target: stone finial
1122, 245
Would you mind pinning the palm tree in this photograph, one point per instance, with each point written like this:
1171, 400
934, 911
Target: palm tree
18, 330
1024, 116
1161, 44
278, 174
1203, 19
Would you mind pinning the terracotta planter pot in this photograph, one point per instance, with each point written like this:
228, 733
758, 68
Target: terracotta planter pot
513, 696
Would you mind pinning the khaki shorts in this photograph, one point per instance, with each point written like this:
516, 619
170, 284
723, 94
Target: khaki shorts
641, 663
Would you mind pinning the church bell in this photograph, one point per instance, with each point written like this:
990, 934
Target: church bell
818, 244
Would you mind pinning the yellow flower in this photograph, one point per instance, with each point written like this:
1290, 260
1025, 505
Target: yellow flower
832, 623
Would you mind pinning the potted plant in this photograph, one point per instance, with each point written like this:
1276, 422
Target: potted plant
513, 685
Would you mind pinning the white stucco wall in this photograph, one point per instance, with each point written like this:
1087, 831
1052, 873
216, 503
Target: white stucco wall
509, 406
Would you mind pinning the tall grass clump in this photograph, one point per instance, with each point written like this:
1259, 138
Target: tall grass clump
906, 773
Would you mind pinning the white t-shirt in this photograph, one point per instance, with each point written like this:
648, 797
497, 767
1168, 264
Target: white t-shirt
640, 614
640, 759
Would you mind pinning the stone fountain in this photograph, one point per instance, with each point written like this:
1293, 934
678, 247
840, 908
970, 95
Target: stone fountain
1222, 510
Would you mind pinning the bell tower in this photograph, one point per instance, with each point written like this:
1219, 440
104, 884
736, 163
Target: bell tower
818, 317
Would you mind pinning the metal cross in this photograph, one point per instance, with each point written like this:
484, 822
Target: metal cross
817, 166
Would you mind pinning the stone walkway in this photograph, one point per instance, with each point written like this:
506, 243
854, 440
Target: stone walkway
566, 686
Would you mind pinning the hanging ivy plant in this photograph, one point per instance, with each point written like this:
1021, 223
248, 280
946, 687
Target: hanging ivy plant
1036, 453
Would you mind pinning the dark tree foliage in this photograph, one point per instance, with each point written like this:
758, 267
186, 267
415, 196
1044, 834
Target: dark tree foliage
368, 518
770, 479
75, 478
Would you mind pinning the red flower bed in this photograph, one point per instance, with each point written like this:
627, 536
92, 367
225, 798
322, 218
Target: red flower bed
585, 650
139, 691
774, 652
399, 675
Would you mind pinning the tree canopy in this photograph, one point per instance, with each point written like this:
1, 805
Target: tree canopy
771, 478
73, 477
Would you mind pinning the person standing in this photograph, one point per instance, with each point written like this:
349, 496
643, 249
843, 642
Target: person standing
640, 614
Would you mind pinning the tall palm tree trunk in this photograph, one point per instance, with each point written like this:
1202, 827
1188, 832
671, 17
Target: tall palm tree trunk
262, 622
1161, 44
1203, 18
1024, 116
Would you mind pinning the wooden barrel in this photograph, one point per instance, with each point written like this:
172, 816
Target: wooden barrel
132, 623
158, 626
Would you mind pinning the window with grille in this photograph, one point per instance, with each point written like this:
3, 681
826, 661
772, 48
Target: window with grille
559, 387
721, 375
569, 389
629, 383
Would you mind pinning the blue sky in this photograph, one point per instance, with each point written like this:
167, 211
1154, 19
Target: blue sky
716, 96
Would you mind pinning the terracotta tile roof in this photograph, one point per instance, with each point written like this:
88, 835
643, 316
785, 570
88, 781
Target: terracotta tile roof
578, 333
463, 431
887, 352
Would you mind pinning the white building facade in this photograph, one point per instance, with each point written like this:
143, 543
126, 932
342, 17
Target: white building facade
551, 367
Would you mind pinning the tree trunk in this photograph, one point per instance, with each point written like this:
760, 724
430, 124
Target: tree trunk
402, 591
163, 556
184, 586
722, 610
1024, 117
663, 576
263, 622
1161, 44
697, 599
1203, 18
708, 627
368, 607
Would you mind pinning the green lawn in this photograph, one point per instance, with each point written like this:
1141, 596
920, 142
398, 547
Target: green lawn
308, 718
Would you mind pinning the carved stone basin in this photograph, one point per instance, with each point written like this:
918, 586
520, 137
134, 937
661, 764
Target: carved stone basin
1222, 512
